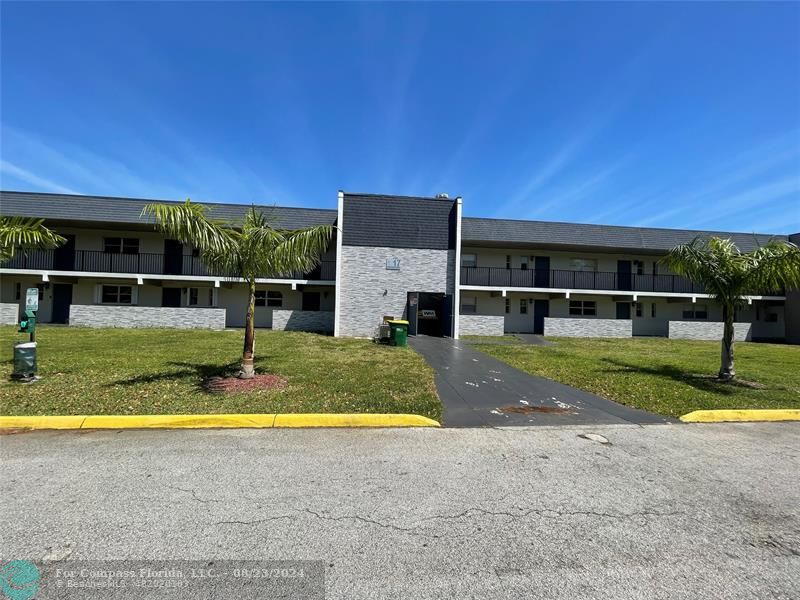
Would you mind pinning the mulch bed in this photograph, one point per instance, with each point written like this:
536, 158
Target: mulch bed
221, 385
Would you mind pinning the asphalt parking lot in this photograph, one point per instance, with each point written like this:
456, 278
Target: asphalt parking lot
660, 511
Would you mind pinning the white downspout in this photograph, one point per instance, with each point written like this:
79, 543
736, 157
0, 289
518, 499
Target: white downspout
338, 289
457, 274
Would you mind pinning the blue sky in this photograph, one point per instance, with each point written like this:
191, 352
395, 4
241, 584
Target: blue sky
674, 115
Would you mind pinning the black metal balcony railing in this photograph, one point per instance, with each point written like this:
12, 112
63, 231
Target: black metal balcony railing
140, 264
577, 280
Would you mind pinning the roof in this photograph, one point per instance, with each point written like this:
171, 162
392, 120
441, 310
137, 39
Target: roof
398, 221
509, 232
112, 210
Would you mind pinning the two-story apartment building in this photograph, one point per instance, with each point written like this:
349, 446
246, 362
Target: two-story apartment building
392, 256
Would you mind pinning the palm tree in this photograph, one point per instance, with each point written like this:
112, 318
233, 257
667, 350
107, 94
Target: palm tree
22, 234
254, 249
729, 275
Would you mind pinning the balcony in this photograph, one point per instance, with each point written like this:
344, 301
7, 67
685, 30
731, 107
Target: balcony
576, 280
139, 264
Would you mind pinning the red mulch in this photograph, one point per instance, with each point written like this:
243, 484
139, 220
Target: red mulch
234, 384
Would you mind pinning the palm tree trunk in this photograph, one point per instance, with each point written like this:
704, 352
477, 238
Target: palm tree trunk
248, 371
726, 369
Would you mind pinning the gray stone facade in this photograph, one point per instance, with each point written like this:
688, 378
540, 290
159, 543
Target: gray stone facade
481, 325
9, 313
302, 320
565, 327
708, 330
369, 291
146, 316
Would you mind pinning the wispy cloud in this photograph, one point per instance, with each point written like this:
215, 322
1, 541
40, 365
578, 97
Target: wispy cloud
21, 174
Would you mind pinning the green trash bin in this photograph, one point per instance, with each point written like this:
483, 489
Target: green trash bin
24, 360
398, 332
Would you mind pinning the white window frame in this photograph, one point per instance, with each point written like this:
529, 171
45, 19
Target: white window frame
582, 308
523, 306
508, 306
691, 314
585, 265
131, 244
101, 293
468, 308
524, 262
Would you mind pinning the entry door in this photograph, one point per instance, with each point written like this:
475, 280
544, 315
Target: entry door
447, 316
541, 278
171, 297
64, 256
62, 299
541, 309
173, 257
624, 277
623, 310
411, 312
310, 300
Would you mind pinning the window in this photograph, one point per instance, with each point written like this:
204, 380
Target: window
508, 261
653, 310
508, 306
115, 245
655, 267
638, 309
638, 267
17, 291
211, 296
584, 264
469, 260
523, 263
269, 298
695, 311
40, 287
523, 306
469, 305
583, 308
193, 296
116, 294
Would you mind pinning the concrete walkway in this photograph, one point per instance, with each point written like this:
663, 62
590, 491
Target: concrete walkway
480, 391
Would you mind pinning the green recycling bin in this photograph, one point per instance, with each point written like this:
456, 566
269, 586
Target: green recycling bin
398, 332
24, 360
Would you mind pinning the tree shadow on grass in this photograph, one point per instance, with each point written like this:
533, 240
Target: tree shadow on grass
700, 382
201, 373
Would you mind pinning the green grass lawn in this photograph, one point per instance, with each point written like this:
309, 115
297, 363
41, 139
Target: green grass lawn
671, 377
159, 371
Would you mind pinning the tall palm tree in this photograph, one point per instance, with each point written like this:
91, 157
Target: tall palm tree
23, 233
729, 275
249, 251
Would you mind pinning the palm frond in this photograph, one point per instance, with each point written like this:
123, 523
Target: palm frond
190, 223
773, 267
24, 233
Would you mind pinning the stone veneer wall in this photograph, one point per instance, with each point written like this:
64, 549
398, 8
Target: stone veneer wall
481, 325
566, 327
146, 316
9, 313
365, 278
302, 320
708, 330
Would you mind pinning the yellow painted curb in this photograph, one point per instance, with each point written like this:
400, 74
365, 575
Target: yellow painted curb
215, 421
352, 420
55, 422
741, 416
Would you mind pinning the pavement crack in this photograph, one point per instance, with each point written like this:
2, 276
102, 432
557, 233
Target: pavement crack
193, 493
357, 518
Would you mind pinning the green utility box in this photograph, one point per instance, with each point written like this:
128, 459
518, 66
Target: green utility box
398, 332
24, 360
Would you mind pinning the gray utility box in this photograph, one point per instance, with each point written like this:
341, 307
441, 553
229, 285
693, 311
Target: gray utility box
24, 359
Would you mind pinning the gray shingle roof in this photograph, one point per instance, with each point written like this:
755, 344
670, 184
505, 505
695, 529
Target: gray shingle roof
106, 209
606, 237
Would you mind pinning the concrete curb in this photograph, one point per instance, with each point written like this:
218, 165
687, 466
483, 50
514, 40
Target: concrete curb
255, 421
741, 416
